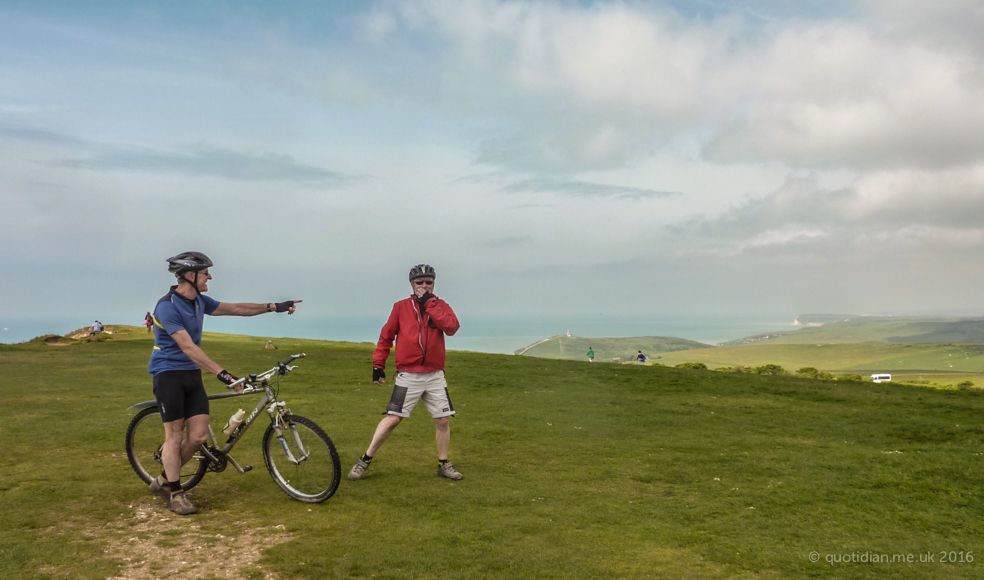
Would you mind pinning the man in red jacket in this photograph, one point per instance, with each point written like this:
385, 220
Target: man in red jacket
418, 324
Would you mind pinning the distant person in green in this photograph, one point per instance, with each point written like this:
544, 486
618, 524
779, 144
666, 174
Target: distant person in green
590, 354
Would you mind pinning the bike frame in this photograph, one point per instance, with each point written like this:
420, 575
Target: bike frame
275, 409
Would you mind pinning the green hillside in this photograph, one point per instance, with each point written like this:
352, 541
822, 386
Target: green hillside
856, 329
946, 363
607, 349
572, 470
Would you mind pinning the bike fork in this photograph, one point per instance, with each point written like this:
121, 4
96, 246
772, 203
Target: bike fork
297, 440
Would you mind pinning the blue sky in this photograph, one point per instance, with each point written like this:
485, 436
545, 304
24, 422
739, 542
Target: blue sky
546, 157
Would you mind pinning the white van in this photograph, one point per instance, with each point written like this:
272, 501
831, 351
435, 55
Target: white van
881, 378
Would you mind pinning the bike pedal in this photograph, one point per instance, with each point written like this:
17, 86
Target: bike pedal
247, 468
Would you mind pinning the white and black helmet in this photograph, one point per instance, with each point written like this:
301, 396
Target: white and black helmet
422, 271
188, 262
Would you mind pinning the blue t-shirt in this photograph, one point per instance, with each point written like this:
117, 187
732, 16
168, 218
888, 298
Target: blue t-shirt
174, 312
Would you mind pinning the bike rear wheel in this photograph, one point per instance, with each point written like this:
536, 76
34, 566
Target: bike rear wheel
144, 443
312, 479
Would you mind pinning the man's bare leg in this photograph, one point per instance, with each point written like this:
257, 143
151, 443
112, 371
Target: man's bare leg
172, 453
197, 435
383, 430
443, 436
179, 450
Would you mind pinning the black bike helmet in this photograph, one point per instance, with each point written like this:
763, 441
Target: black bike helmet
188, 262
422, 271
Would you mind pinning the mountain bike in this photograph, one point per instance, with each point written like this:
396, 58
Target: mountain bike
298, 454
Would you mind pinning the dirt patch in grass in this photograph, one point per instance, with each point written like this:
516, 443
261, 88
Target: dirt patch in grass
85, 333
154, 543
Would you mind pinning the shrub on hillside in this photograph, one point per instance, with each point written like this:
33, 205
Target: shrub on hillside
857, 378
770, 369
692, 365
965, 385
813, 373
734, 369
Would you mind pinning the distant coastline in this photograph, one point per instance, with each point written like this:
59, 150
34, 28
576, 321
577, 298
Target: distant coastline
480, 332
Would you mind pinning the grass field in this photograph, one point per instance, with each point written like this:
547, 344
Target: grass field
606, 349
860, 329
942, 363
572, 470
856, 345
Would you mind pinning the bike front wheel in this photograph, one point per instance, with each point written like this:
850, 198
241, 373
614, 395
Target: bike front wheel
145, 443
302, 460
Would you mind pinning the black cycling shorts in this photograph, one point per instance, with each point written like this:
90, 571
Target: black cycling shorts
180, 394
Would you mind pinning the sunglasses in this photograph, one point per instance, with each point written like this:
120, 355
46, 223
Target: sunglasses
422, 282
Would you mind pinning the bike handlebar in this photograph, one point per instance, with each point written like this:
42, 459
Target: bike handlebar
292, 358
282, 368
239, 382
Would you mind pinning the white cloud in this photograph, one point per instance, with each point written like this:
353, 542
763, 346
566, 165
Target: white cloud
872, 111
953, 23
584, 189
782, 237
204, 160
902, 209
837, 95
574, 87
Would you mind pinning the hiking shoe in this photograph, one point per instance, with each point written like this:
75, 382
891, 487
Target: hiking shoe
447, 470
180, 505
358, 469
162, 490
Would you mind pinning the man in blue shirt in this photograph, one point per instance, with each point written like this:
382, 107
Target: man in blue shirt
177, 362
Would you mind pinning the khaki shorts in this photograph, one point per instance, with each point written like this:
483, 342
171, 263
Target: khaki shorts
412, 387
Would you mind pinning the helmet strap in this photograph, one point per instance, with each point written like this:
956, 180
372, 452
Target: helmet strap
194, 284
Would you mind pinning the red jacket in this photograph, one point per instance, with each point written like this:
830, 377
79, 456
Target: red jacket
419, 339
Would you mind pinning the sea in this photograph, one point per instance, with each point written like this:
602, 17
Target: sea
491, 333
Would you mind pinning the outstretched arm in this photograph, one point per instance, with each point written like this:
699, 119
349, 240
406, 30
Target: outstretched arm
252, 309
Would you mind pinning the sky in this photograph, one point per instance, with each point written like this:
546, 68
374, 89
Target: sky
552, 157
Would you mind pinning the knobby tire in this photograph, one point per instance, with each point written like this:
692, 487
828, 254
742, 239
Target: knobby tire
313, 480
